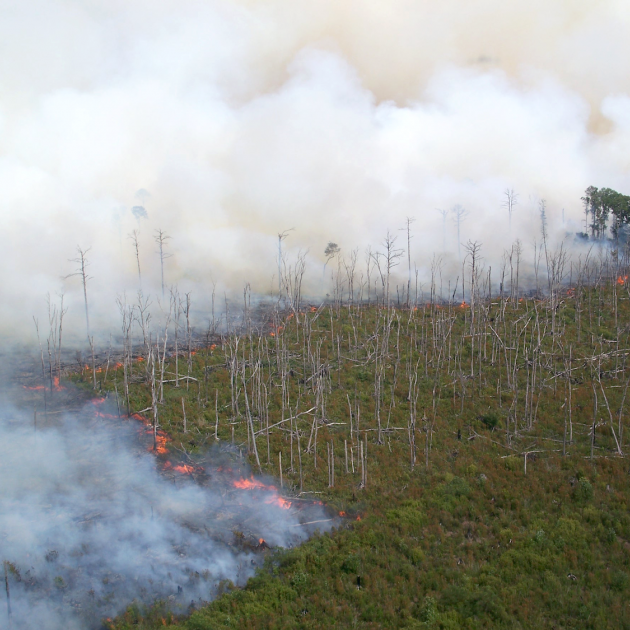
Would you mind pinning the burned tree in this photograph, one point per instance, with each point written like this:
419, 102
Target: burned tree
459, 215
161, 239
83, 263
511, 200
136, 248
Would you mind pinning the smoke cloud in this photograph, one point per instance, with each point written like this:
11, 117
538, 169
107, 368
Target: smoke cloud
231, 121
88, 524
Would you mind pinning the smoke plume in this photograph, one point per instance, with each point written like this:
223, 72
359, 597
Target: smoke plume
228, 122
88, 524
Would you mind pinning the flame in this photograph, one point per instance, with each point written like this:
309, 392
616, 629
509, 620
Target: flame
254, 484
213, 346
342, 513
571, 292
185, 469
101, 414
139, 359
463, 305
160, 440
280, 502
622, 280
290, 316
56, 386
250, 484
261, 541
358, 518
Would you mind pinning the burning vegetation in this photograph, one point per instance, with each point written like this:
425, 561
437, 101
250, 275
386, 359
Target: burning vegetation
428, 426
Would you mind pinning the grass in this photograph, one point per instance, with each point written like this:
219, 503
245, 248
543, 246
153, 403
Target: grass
454, 532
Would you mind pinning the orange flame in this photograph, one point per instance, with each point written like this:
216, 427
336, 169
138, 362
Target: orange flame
160, 441
342, 513
254, 484
622, 280
213, 346
463, 305
261, 541
185, 469
56, 386
313, 309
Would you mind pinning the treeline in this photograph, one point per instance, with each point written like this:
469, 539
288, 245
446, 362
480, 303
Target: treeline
604, 208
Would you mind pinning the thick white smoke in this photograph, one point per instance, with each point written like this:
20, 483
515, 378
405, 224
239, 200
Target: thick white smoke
242, 119
88, 524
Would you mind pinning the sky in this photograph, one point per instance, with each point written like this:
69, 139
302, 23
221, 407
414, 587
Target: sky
229, 122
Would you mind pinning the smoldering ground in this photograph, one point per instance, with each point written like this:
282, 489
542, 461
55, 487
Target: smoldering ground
88, 523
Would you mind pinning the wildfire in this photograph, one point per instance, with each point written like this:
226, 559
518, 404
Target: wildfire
313, 309
463, 305
342, 513
254, 484
185, 469
160, 440
622, 280
56, 386
213, 346
100, 414
571, 292
261, 541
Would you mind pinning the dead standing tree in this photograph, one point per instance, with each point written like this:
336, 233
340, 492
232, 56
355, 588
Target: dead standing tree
511, 200
81, 271
136, 248
161, 239
459, 215
281, 237
407, 228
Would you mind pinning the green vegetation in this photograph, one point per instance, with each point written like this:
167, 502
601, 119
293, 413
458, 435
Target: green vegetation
485, 458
